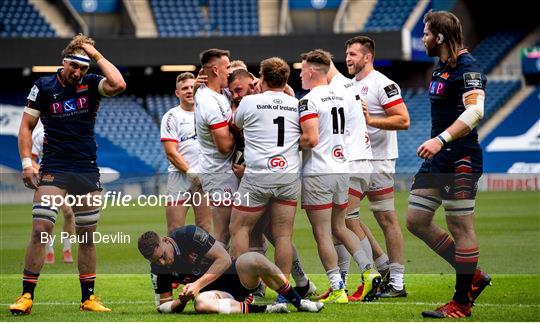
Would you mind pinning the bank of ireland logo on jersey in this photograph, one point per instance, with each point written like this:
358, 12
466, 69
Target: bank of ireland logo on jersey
277, 163
337, 154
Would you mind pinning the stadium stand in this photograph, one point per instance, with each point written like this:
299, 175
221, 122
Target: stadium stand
185, 18
417, 100
159, 104
125, 123
494, 47
181, 18
20, 19
389, 15
234, 17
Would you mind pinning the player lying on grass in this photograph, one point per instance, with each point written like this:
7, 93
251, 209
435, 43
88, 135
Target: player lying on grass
190, 256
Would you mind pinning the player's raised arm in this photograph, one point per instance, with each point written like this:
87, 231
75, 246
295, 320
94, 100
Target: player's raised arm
113, 83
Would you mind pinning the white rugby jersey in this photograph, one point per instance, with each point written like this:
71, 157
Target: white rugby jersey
212, 111
37, 140
358, 146
328, 105
271, 130
178, 125
380, 93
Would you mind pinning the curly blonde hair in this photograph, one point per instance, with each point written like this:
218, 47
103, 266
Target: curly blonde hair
74, 46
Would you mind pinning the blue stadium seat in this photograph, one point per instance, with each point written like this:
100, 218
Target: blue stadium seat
235, 17
385, 17
179, 18
121, 120
494, 47
19, 18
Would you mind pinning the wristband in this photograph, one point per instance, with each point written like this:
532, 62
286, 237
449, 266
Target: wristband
26, 162
97, 56
444, 137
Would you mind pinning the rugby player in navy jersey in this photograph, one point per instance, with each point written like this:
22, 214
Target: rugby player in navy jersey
452, 162
66, 103
217, 284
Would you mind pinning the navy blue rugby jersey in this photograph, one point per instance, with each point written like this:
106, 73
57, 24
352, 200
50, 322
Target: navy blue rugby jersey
68, 113
191, 244
446, 91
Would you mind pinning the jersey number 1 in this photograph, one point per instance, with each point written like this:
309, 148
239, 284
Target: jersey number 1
280, 121
336, 123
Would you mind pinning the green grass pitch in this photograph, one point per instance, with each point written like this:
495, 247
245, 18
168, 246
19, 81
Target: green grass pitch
508, 227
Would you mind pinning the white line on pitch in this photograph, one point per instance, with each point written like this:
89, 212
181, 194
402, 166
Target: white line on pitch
370, 303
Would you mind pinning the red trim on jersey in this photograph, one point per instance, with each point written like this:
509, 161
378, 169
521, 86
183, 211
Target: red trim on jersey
356, 193
175, 203
225, 203
169, 139
285, 202
341, 206
317, 207
391, 104
309, 116
60, 80
219, 125
249, 208
381, 192
34, 155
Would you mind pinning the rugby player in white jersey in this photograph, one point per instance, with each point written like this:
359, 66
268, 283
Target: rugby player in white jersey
182, 150
241, 84
385, 113
212, 116
325, 181
271, 179
358, 151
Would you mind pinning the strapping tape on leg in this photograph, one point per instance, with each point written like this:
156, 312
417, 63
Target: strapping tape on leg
42, 212
355, 214
382, 205
86, 218
424, 203
458, 207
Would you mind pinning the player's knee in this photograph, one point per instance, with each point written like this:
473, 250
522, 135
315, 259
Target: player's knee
68, 212
354, 214
86, 218
458, 207
43, 213
205, 303
382, 205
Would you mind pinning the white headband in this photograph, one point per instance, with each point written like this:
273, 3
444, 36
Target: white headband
81, 59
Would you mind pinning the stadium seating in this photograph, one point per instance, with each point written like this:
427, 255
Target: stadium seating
417, 100
179, 18
184, 18
18, 18
389, 15
235, 17
494, 47
124, 122
159, 104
